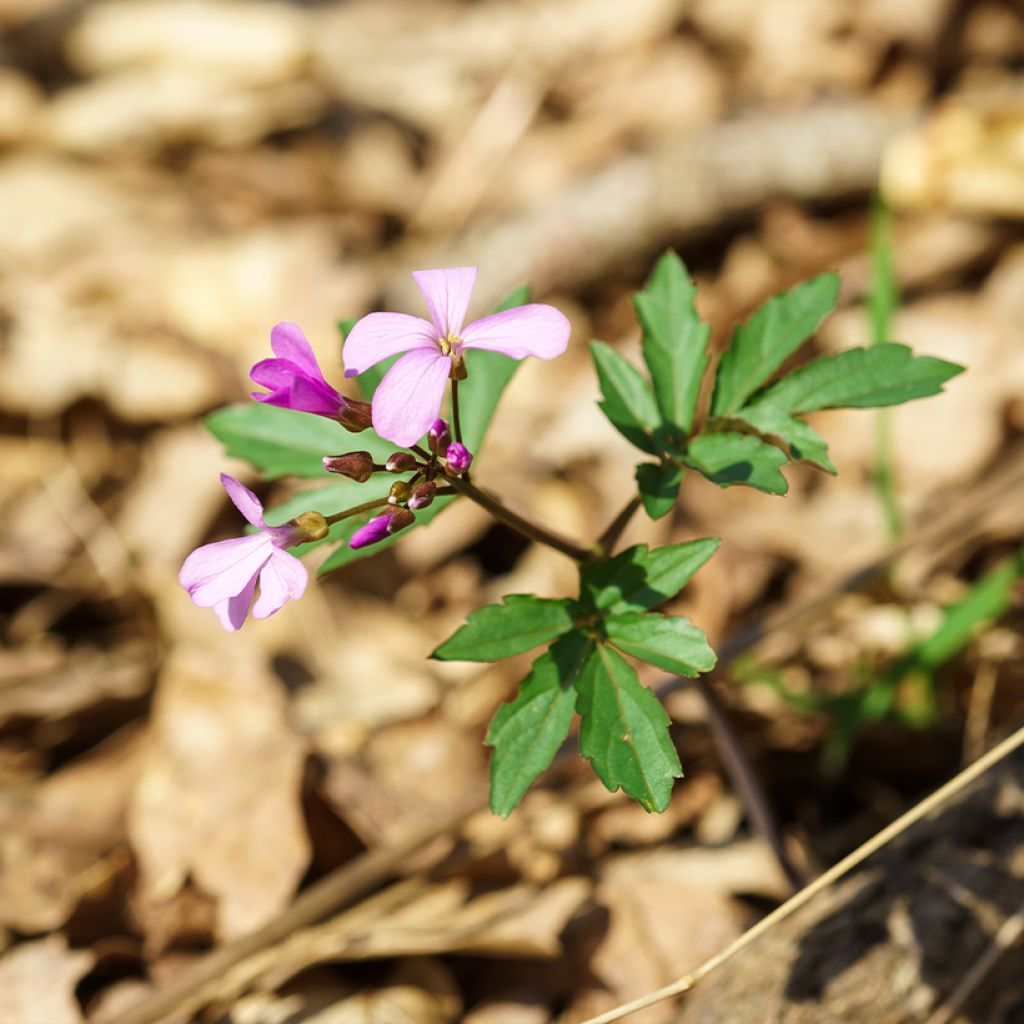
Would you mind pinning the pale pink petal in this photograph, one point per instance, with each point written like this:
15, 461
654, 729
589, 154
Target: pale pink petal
215, 572
447, 293
283, 577
288, 342
233, 611
534, 330
379, 335
243, 499
409, 397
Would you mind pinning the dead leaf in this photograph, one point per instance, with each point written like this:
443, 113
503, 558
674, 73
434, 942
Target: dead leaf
219, 793
37, 982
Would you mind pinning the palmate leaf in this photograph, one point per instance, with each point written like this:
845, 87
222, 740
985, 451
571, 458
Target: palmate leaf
282, 442
886, 374
670, 642
520, 623
637, 579
627, 399
527, 732
774, 332
658, 483
730, 458
674, 342
624, 730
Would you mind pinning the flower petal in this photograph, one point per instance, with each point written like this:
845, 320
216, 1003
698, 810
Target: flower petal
283, 577
232, 612
288, 342
379, 335
534, 330
243, 499
447, 293
409, 397
215, 572
291, 388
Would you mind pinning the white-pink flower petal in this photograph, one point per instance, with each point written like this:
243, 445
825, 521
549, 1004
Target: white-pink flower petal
243, 499
410, 395
282, 578
232, 611
535, 330
379, 335
215, 572
447, 293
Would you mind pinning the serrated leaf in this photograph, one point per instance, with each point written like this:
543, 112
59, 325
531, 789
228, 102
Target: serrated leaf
527, 732
861, 378
638, 579
282, 441
674, 341
803, 440
669, 641
520, 623
729, 458
774, 332
658, 483
624, 731
628, 401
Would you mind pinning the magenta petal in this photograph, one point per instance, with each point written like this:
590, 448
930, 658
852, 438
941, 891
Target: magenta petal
409, 397
282, 578
243, 499
232, 612
288, 342
379, 335
298, 392
447, 293
215, 572
534, 330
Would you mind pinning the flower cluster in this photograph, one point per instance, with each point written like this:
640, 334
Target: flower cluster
405, 408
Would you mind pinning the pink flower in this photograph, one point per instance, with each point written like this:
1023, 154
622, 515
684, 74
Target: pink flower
223, 575
295, 381
458, 458
410, 395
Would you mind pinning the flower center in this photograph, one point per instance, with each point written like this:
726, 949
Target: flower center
450, 345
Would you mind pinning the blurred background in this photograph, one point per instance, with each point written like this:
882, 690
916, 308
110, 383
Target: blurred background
176, 176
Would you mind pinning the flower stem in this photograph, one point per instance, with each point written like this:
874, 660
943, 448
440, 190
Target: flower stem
520, 524
456, 421
349, 512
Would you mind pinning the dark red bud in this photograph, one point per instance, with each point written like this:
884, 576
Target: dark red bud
358, 466
400, 462
439, 437
422, 494
353, 415
400, 519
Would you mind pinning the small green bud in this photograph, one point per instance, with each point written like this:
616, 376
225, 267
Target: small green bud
308, 526
399, 493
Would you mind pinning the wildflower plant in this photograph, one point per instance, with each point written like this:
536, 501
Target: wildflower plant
411, 464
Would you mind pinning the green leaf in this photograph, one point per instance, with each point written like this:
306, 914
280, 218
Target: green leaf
775, 331
730, 458
282, 441
637, 579
803, 440
628, 401
861, 378
624, 732
527, 732
659, 486
669, 641
674, 341
520, 623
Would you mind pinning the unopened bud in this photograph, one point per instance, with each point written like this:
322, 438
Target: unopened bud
399, 493
358, 466
458, 458
422, 494
400, 462
306, 527
353, 415
371, 533
439, 437
400, 519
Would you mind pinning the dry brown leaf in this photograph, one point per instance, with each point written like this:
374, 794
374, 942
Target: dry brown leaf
37, 982
219, 794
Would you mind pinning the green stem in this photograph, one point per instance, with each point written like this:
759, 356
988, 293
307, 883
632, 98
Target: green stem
456, 421
349, 512
519, 523
607, 541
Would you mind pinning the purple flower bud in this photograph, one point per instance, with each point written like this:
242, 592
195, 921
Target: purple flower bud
353, 415
422, 494
439, 437
372, 533
399, 492
458, 458
358, 466
400, 462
